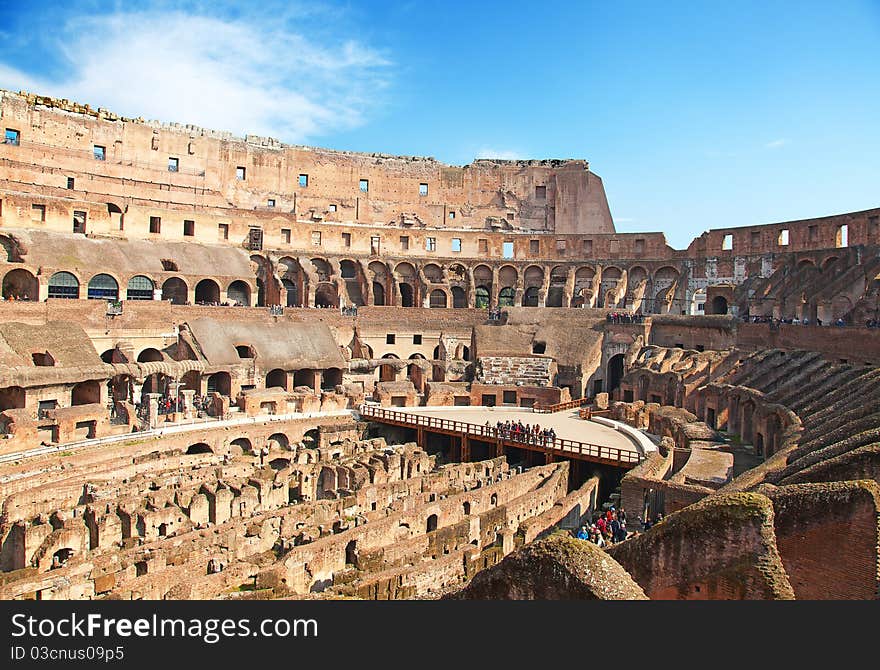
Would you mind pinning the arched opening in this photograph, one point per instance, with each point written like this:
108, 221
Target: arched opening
11, 397
239, 293
245, 351
241, 445
278, 441
466, 508
85, 393
351, 553
431, 524
61, 557
207, 292
378, 294
103, 287
530, 297
311, 438
719, 305
463, 352
759, 445
304, 378
387, 372
139, 288
199, 448
220, 382
21, 285
438, 298
150, 355
481, 297
163, 529
347, 269
279, 463
277, 378
63, 285
331, 378
292, 293
325, 295
459, 297
406, 295
433, 273
493, 500
175, 290
615, 371
506, 296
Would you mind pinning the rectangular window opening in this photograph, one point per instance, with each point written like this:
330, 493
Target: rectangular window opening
389, 338
99, 152
782, 240
842, 236
346, 239
417, 339
38, 212
173, 164
588, 246
223, 231
364, 185
534, 247
285, 235
541, 192
456, 245
483, 246
240, 173
79, 222
727, 242
374, 245
304, 180
270, 203
331, 208
316, 238
155, 224
507, 250
423, 189
404, 242
560, 247
189, 228
430, 244
451, 215
12, 137
70, 182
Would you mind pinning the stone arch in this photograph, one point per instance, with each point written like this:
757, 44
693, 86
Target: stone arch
103, 287
150, 355
175, 290
241, 445
21, 284
615, 372
533, 276
63, 285
140, 287
12, 397
239, 293
407, 295
199, 448
719, 305
277, 378
322, 269
438, 298
326, 295
331, 378
482, 297
293, 281
220, 382
279, 441
508, 276
207, 292
85, 393
388, 372
556, 290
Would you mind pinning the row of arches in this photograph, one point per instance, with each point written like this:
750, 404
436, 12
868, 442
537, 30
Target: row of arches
22, 284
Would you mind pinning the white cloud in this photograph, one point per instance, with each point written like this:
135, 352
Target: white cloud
239, 75
502, 154
776, 144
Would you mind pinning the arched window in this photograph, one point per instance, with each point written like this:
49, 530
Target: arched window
139, 288
63, 285
438, 298
103, 287
481, 297
506, 297
240, 293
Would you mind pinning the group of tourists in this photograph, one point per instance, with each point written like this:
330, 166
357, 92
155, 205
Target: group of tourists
495, 314
624, 317
349, 311
608, 528
520, 432
774, 322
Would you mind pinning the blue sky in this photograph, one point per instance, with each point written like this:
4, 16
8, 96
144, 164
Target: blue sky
696, 115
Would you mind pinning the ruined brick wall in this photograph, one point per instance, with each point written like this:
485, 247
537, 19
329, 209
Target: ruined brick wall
828, 536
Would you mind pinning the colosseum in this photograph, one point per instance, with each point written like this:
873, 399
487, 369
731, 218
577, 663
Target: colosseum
232, 368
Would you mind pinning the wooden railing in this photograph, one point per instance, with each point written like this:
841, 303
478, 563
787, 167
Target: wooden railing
561, 406
562, 446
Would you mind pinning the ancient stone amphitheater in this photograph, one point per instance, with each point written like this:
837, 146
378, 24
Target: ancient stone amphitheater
236, 369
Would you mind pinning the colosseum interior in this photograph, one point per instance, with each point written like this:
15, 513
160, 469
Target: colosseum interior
232, 368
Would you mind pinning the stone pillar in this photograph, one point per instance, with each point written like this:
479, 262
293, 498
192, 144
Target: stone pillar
188, 395
153, 409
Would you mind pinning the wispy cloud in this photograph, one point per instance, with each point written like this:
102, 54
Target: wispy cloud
235, 74
776, 144
502, 154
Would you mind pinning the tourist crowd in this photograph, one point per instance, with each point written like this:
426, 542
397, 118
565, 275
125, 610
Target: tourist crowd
607, 528
520, 432
624, 317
